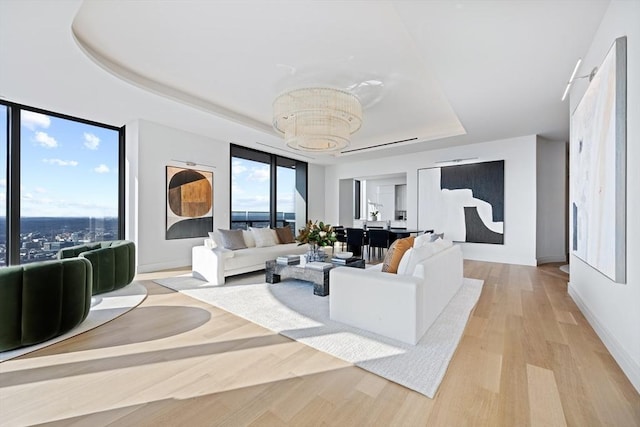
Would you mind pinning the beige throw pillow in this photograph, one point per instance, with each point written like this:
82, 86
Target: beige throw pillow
264, 237
395, 253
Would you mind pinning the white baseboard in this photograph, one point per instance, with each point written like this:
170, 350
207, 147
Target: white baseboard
548, 259
150, 268
627, 364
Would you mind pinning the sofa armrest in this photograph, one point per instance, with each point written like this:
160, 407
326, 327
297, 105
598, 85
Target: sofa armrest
208, 264
383, 303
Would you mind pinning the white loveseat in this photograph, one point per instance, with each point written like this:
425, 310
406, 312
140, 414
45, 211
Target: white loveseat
213, 264
399, 306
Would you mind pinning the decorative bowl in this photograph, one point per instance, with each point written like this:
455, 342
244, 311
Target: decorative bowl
344, 255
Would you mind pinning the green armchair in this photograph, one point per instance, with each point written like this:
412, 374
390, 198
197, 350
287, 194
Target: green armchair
113, 263
43, 300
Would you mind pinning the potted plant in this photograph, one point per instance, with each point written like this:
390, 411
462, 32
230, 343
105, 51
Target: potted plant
316, 234
374, 215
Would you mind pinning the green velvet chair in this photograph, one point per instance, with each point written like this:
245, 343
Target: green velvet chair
43, 300
113, 263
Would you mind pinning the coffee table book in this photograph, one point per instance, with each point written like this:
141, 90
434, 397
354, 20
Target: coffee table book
288, 259
316, 265
344, 261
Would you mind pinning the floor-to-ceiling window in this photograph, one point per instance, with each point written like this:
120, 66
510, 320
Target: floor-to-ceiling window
65, 181
4, 131
267, 190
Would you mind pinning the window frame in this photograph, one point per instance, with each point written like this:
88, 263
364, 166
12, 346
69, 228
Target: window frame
13, 172
274, 161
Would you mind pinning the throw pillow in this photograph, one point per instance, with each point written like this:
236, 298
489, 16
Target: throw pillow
395, 253
216, 238
248, 238
232, 239
422, 239
275, 237
285, 235
435, 236
416, 255
263, 237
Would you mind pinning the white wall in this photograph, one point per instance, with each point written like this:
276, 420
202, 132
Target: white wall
613, 309
317, 193
150, 148
346, 202
520, 191
551, 161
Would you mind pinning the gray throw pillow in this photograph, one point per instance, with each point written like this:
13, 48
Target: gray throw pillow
435, 237
232, 239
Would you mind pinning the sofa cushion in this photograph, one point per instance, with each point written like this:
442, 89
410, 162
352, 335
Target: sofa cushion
216, 239
248, 238
417, 254
264, 237
232, 239
395, 253
285, 235
244, 258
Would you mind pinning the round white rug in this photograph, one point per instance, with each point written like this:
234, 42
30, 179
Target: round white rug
104, 307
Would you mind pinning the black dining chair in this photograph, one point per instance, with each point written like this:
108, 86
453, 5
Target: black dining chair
378, 239
355, 240
341, 236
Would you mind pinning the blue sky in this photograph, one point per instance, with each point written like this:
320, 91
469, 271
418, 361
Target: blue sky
67, 168
250, 186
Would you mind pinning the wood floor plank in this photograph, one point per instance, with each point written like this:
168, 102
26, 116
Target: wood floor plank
527, 357
545, 407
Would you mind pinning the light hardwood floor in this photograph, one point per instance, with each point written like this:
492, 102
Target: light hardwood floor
528, 357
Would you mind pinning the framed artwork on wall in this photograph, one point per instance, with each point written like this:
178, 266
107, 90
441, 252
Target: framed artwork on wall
598, 168
189, 203
465, 202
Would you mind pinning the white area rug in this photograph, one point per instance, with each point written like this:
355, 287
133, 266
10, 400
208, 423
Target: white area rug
291, 309
104, 307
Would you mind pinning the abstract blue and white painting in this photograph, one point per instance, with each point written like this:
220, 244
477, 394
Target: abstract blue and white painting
598, 169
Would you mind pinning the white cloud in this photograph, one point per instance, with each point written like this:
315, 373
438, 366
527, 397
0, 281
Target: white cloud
259, 174
102, 169
256, 203
40, 190
91, 141
32, 120
3, 182
45, 206
45, 140
237, 167
59, 162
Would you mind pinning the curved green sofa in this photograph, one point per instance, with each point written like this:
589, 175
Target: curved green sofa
43, 300
113, 262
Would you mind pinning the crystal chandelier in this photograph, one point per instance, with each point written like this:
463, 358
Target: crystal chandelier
319, 119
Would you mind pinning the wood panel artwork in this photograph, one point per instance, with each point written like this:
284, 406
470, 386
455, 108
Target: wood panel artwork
189, 203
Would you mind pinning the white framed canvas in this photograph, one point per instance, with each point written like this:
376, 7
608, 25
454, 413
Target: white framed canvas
465, 202
598, 168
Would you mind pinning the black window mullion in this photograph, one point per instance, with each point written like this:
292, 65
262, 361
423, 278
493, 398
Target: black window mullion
13, 187
273, 193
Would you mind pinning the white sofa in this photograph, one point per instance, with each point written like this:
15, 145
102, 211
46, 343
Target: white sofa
214, 264
399, 306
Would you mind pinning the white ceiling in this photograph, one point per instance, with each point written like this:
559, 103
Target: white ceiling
442, 72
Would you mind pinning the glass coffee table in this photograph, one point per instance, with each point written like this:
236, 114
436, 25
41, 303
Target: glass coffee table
275, 272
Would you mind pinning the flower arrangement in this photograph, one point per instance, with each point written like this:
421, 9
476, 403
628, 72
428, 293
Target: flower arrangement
317, 233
